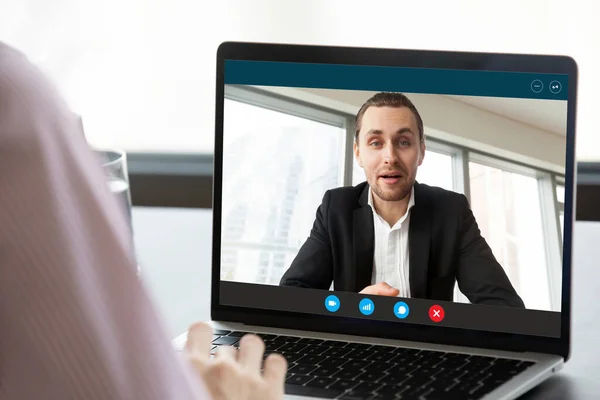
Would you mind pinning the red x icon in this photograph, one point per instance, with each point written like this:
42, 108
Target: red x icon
436, 313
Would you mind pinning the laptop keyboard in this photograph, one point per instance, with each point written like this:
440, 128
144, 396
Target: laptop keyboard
346, 370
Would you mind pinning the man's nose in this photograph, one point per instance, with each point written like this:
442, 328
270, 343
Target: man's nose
390, 155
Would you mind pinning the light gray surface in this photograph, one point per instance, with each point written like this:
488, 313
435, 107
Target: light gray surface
174, 247
174, 250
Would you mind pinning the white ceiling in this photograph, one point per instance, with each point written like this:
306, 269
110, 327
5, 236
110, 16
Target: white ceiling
549, 115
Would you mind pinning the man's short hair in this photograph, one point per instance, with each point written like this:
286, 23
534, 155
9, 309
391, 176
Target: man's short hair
388, 99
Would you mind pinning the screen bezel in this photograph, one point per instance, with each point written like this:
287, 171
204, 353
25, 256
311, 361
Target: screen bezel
399, 58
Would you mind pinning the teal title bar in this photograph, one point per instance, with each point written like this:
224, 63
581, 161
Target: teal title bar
398, 79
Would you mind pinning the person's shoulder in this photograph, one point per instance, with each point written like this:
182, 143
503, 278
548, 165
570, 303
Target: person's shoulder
438, 197
349, 191
32, 108
347, 194
14, 66
7, 51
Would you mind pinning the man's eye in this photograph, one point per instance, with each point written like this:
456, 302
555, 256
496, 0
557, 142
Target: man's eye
375, 143
404, 143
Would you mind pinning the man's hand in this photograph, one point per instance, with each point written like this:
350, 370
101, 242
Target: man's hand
236, 374
381, 289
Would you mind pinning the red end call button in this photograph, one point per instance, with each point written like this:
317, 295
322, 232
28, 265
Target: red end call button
436, 313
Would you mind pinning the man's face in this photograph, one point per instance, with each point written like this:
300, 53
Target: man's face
390, 151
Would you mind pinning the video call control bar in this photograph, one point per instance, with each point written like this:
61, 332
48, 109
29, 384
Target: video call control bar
401, 310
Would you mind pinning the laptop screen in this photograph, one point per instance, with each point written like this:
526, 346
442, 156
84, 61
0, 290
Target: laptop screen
411, 195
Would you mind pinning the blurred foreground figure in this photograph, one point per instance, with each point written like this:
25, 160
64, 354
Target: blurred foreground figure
75, 322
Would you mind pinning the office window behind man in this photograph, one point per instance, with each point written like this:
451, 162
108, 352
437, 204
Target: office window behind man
507, 208
560, 199
269, 202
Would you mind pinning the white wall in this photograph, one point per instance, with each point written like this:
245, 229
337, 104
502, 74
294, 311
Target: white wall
459, 123
142, 71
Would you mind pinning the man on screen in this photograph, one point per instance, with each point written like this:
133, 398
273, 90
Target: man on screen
391, 235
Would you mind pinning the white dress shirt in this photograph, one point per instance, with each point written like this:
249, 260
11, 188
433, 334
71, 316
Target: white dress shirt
75, 321
390, 260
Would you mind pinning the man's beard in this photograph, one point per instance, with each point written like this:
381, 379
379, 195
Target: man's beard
398, 193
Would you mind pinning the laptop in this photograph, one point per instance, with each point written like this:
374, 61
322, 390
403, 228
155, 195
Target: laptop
396, 223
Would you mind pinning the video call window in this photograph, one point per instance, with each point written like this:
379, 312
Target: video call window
281, 156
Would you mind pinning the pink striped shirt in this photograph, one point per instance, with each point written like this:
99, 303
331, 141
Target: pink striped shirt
75, 322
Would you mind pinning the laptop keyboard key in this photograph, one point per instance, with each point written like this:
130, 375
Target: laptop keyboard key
291, 339
315, 350
428, 362
367, 387
432, 354
291, 357
226, 340
333, 362
298, 379
324, 372
450, 374
311, 341
428, 372
435, 394
407, 359
357, 364
302, 369
451, 363
310, 360
371, 376
321, 382
272, 346
266, 336
336, 352
357, 346
334, 343
343, 384
378, 367
415, 392
406, 350
347, 374
357, 396
417, 380
311, 391
237, 333
359, 354
441, 384
383, 349
292, 347
220, 332
400, 370
389, 390
382, 357
504, 370
485, 360
480, 391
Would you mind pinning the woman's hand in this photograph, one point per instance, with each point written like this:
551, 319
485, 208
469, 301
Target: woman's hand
236, 374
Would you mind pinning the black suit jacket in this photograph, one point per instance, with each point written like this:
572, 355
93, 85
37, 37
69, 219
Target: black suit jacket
444, 244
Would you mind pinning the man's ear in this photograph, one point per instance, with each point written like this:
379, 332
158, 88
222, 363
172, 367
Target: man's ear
422, 152
357, 155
